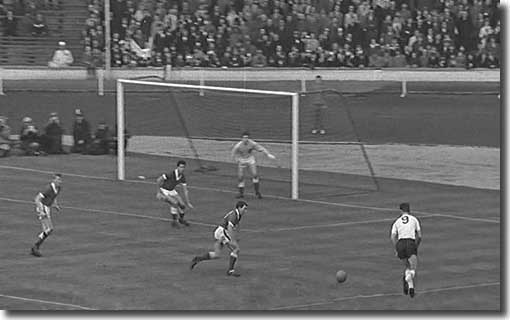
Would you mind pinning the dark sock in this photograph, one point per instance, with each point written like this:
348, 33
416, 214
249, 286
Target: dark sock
232, 263
256, 185
181, 216
205, 256
41, 240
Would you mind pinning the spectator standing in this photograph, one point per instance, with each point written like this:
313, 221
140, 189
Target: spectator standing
62, 57
53, 133
101, 142
39, 27
5, 137
10, 23
81, 133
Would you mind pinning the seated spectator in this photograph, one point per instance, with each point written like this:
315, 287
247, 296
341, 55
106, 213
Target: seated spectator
113, 141
30, 138
398, 61
100, 144
470, 61
10, 23
81, 133
39, 27
492, 61
259, 60
62, 57
53, 133
5, 138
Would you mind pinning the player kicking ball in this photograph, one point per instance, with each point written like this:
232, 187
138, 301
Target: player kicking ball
242, 153
406, 237
43, 202
225, 235
167, 183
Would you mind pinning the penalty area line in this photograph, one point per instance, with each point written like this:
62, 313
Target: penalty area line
326, 203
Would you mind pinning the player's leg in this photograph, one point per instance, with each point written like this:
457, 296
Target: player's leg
180, 208
47, 228
322, 109
218, 245
411, 274
234, 254
255, 179
240, 179
165, 196
316, 122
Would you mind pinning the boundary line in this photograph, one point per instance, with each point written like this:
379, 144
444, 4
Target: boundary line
45, 302
345, 205
488, 284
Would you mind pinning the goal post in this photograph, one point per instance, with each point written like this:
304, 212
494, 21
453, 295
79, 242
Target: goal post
294, 110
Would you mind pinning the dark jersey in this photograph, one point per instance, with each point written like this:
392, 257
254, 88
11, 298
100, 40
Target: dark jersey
171, 180
50, 194
232, 218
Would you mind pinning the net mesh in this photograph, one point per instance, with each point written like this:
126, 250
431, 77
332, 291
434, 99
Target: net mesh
204, 125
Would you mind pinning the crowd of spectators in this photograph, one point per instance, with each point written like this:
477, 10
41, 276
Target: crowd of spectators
295, 33
32, 141
23, 17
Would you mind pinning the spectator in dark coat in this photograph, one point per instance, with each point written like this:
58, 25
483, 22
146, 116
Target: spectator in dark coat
30, 138
53, 133
10, 23
81, 133
101, 142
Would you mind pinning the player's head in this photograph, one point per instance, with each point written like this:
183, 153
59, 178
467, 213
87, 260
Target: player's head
405, 207
241, 206
181, 165
318, 79
245, 136
57, 178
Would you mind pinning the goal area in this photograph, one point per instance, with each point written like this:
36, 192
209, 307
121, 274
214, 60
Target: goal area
201, 124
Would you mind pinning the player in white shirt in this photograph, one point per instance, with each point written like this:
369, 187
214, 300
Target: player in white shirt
406, 237
242, 153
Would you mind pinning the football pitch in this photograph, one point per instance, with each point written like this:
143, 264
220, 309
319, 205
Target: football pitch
113, 247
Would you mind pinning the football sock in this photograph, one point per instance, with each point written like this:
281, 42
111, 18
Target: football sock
42, 236
232, 262
205, 256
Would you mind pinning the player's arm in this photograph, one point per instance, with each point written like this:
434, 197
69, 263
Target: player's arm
161, 179
39, 204
56, 205
394, 235
260, 148
418, 233
186, 195
234, 152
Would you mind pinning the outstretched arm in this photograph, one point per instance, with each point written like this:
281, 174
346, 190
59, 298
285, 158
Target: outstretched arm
260, 148
186, 195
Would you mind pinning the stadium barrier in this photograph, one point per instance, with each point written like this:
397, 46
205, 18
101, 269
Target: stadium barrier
202, 76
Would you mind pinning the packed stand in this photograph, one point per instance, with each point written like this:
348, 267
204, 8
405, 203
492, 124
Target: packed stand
25, 17
296, 33
32, 141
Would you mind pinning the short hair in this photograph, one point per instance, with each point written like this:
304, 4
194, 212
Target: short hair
245, 133
181, 162
58, 175
405, 206
241, 204
318, 77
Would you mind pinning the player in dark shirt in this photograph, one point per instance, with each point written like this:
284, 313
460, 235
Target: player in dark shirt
167, 183
43, 202
226, 235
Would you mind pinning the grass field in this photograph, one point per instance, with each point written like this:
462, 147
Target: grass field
113, 247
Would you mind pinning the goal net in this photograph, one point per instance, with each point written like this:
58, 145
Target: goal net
201, 124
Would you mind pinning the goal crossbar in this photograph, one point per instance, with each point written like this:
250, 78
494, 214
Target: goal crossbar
294, 119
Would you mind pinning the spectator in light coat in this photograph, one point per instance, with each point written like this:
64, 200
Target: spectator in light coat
62, 57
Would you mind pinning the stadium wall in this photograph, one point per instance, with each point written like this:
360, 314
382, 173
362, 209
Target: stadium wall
266, 74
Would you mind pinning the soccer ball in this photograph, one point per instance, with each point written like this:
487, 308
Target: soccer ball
341, 276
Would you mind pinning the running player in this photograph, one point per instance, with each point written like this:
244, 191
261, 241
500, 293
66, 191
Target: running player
242, 154
226, 235
320, 106
43, 202
406, 237
167, 193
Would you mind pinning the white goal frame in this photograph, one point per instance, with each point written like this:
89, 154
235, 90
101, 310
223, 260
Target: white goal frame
121, 169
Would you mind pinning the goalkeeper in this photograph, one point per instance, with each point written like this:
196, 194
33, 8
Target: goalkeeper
242, 154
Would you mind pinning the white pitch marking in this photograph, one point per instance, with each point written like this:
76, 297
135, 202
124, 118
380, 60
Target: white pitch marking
46, 302
346, 205
376, 295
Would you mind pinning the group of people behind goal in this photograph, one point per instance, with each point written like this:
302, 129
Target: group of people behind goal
405, 232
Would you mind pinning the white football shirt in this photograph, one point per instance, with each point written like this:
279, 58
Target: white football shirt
406, 226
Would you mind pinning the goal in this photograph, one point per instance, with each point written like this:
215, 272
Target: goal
201, 124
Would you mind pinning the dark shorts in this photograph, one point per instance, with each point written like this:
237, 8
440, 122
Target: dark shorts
406, 248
